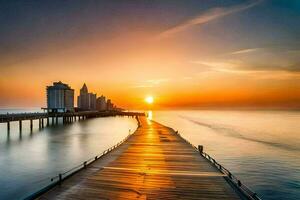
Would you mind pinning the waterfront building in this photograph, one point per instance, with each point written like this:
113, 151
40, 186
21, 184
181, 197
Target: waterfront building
86, 100
60, 98
109, 105
101, 103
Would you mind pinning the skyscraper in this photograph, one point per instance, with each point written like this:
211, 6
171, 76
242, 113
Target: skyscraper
101, 103
60, 97
86, 100
109, 104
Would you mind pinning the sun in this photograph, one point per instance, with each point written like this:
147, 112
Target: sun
149, 99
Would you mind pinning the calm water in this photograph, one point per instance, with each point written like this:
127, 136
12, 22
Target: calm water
28, 160
261, 147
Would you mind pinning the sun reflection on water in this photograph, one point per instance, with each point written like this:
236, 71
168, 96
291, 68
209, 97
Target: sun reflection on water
149, 114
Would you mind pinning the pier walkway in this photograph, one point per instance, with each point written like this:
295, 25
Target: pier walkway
67, 117
153, 163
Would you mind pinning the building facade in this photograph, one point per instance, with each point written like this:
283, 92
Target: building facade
86, 100
101, 103
109, 105
60, 97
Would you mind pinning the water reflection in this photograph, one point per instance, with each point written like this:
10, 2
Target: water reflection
27, 158
149, 114
260, 147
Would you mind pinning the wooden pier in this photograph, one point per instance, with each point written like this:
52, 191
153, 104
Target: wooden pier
153, 163
53, 118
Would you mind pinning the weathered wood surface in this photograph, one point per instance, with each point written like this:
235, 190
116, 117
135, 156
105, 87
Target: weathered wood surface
154, 163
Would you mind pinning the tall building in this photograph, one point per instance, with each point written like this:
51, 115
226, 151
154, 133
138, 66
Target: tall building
86, 100
109, 105
101, 103
60, 97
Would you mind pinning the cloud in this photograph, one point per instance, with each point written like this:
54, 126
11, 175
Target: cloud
142, 86
243, 51
218, 65
158, 81
295, 67
151, 83
237, 66
208, 16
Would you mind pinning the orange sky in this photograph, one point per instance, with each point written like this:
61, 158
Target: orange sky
210, 60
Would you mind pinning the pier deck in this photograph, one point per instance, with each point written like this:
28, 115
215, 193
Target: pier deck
154, 163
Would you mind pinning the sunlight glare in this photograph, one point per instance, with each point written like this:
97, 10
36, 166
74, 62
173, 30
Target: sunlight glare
149, 99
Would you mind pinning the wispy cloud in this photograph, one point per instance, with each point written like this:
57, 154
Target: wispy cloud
237, 66
223, 66
151, 83
142, 86
158, 81
243, 51
208, 16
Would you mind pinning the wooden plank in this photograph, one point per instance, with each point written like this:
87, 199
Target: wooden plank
154, 163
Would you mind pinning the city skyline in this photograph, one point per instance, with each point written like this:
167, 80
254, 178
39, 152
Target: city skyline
191, 54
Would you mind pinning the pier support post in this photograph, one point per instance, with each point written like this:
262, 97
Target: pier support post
200, 148
20, 125
42, 122
8, 126
56, 120
47, 121
239, 183
60, 178
31, 125
52, 121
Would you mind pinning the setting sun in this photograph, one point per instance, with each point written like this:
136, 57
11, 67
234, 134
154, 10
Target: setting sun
149, 99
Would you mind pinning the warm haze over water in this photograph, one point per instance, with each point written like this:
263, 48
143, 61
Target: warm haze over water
224, 73
192, 53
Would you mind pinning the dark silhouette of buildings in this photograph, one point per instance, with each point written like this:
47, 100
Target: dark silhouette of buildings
86, 100
109, 105
101, 103
60, 98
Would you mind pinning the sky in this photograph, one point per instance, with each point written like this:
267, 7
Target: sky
186, 54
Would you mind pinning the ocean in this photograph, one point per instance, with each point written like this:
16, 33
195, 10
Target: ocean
262, 148
259, 147
29, 160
